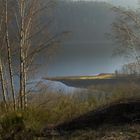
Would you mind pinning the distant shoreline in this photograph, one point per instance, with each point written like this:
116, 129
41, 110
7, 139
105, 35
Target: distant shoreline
101, 79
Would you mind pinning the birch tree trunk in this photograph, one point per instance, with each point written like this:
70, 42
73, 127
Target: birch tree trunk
2, 38
9, 56
3, 85
22, 55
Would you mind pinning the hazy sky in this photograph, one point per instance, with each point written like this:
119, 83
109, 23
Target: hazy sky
87, 51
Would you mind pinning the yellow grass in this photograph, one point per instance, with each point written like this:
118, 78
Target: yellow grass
106, 76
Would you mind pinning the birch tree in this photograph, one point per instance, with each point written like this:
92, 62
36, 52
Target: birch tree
2, 37
126, 31
24, 35
29, 29
33, 37
9, 55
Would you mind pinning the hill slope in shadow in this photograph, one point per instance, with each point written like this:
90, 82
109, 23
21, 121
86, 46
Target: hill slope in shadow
119, 113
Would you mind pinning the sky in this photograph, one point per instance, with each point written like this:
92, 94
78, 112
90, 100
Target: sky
87, 51
128, 3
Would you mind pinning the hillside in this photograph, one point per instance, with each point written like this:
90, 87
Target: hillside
121, 119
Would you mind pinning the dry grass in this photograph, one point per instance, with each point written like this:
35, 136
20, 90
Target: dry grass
54, 108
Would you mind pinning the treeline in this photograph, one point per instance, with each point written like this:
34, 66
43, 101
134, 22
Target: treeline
125, 31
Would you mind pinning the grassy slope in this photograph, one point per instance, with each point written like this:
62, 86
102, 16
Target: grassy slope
50, 109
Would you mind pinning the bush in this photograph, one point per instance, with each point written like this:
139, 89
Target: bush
12, 127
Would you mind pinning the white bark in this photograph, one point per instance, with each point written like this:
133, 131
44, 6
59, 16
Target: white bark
9, 56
